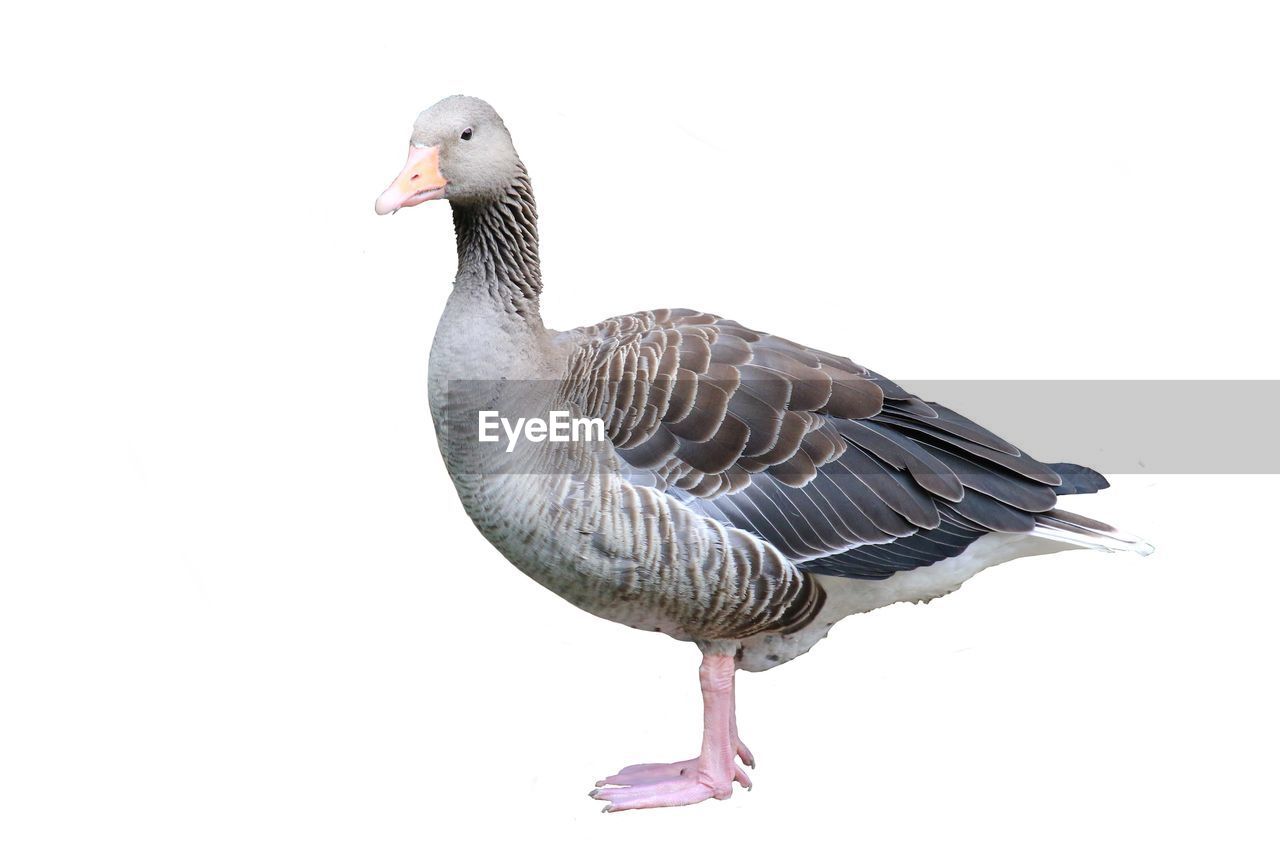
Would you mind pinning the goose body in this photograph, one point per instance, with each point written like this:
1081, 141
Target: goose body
746, 492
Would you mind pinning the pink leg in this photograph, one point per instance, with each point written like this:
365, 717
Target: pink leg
711, 774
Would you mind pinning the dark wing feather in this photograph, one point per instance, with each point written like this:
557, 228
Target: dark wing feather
841, 469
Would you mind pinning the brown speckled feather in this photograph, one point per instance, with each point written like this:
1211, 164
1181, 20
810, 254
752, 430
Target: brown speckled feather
808, 450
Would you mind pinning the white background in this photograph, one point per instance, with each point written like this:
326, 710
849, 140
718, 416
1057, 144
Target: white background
240, 606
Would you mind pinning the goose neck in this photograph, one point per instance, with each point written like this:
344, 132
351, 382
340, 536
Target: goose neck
498, 249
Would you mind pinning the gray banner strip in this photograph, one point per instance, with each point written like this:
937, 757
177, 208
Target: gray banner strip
1140, 426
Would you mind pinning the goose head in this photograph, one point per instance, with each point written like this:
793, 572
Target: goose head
459, 150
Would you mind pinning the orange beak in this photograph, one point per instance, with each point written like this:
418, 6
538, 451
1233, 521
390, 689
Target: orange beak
419, 181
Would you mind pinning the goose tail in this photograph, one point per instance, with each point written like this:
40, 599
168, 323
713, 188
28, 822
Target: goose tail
1077, 479
1082, 532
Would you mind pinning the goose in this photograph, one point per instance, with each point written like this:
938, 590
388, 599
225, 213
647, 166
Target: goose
740, 491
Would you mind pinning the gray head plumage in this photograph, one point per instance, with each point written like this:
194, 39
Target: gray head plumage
459, 150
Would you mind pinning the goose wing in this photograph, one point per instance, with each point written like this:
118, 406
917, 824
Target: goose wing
838, 467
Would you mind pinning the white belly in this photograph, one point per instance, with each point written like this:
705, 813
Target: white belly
846, 596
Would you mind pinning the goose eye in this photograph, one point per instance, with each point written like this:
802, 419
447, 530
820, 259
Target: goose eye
466, 134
